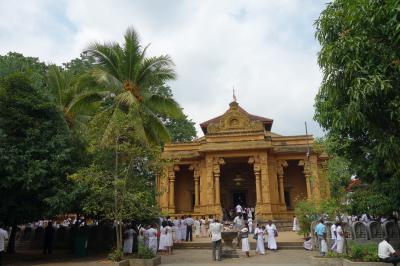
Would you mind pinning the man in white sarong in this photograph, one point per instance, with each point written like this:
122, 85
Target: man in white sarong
270, 229
339, 238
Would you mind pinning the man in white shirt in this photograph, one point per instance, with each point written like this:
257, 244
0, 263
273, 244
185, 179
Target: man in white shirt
387, 253
333, 237
238, 209
339, 238
3, 237
238, 222
216, 229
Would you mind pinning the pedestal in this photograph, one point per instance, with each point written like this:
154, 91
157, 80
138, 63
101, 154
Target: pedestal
228, 251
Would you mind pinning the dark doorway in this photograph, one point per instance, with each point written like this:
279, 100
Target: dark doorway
287, 199
239, 198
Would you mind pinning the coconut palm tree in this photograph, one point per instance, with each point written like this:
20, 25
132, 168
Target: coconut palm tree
131, 77
76, 99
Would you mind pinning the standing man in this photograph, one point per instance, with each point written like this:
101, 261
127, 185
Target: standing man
320, 233
3, 237
216, 229
48, 238
189, 228
333, 237
339, 238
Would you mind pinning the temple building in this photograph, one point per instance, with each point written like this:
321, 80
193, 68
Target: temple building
240, 160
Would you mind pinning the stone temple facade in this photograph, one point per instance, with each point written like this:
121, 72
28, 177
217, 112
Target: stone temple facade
240, 160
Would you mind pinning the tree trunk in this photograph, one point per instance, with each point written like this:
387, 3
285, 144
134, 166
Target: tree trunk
11, 242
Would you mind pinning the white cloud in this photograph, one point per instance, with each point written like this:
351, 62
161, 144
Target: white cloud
266, 49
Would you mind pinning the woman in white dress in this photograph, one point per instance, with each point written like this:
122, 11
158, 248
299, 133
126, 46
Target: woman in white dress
128, 240
270, 229
168, 241
197, 228
260, 240
177, 229
152, 234
203, 228
244, 233
162, 247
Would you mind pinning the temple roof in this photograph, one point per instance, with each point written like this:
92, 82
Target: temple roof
267, 122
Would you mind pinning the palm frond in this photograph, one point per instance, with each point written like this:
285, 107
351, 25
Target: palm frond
132, 54
156, 132
164, 106
85, 98
107, 56
107, 80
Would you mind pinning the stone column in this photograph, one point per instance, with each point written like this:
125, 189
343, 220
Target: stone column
217, 173
257, 172
196, 177
307, 174
281, 165
171, 176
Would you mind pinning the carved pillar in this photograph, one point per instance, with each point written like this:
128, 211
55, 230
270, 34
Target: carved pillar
281, 165
307, 174
196, 178
217, 173
257, 173
171, 176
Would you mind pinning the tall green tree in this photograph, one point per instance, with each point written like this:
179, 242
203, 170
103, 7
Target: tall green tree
130, 75
74, 95
31, 67
37, 152
358, 103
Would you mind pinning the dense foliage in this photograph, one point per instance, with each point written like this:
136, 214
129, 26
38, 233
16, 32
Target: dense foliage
358, 103
37, 152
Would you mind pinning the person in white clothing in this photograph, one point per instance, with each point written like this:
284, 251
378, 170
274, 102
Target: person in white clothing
3, 237
183, 228
386, 252
272, 232
197, 228
128, 240
296, 226
152, 235
238, 222
162, 247
244, 235
210, 221
177, 229
238, 209
339, 238
203, 229
216, 229
333, 237
168, 241
259, 232
250, 225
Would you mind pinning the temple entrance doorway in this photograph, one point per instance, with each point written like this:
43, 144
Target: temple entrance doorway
238, 185
239, 198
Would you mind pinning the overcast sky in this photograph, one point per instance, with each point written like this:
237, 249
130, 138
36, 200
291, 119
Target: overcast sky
266, 49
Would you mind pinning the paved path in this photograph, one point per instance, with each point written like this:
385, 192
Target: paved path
181, 258
203, 257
